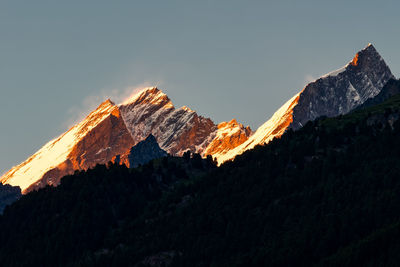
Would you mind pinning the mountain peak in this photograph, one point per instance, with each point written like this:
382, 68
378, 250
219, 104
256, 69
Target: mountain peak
149, 95
366, 56
106, 103
151, 138
335, 93
145, 151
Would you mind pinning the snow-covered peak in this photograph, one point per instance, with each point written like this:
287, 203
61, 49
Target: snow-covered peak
57, 150
99, 114
149, 95
335, 93
274, 127
228, 135
136, 94
368, 49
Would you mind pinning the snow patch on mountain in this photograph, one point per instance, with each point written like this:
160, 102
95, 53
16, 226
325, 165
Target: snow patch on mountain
56, 151
274, 127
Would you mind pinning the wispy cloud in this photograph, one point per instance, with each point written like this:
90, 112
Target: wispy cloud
79, 112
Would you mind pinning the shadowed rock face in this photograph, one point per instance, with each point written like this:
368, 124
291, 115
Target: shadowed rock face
228, 136
145, 151
340, 92
333, 94
8, 195
392, 88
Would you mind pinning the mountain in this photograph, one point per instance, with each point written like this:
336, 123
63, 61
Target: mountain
324, 195
145, 151
333, 94
96, 139
84, 207
112, 130
228, 136
151, 111
391, 88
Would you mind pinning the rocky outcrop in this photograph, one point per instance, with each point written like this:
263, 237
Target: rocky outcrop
176, 130
228, 136
391, 88
145, 151
8, 195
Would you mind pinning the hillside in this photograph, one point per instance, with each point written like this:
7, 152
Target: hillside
305, 199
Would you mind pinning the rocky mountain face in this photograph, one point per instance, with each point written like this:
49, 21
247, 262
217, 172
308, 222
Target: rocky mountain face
145, 151
228, 136
99, 137
150, 111
341, 91
112, 130
176, 130
333, 94
392, 88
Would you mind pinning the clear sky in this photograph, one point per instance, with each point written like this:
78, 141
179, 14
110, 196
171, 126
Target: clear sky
224, 59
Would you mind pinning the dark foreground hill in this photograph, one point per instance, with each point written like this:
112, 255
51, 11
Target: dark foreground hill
8, 194
306, 199
328, 194
58, 226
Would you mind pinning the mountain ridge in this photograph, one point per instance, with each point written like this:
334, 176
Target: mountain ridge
177, 130
112, 130
332, 94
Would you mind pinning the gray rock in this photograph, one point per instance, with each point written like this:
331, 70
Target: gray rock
343, 90
145, 151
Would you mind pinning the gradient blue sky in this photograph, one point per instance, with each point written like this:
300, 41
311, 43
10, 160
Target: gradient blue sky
224, 59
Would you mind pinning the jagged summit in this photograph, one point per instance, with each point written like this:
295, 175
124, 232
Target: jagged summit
367, 55
151, 95
332, 95
335, 93
108, 101
228, 136
112, 130
97, 138
150, 111
105, 104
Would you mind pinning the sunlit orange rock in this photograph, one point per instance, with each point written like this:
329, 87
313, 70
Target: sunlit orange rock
228, 136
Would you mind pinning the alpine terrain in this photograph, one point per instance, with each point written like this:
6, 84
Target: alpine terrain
333, 94
112, 130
